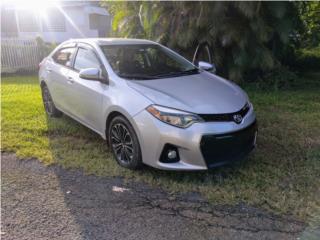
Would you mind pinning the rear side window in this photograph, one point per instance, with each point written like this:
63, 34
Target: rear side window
86, 59
64, 56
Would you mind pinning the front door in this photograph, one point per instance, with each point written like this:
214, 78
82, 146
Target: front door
88, 94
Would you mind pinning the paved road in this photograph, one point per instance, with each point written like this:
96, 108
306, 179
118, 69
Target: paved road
52, 203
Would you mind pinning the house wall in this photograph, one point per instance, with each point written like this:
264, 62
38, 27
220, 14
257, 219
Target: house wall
77, 25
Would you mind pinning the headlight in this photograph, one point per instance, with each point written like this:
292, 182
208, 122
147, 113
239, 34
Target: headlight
173, 117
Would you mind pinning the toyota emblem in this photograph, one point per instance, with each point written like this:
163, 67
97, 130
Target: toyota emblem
237, 118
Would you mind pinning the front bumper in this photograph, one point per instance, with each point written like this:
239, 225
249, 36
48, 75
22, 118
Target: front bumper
201, 146
220, 149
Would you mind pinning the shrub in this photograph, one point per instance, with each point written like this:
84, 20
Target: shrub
45, 48
308, 59
279, 78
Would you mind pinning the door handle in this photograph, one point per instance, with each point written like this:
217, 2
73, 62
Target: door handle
70, 80
49, 70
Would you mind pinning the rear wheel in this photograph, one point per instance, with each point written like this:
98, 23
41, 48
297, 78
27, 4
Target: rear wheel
124, 143
49, 106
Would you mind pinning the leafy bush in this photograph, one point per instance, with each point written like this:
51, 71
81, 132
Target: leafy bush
279, 78
45, 48
308, 59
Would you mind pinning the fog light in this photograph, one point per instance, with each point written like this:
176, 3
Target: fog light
172, 154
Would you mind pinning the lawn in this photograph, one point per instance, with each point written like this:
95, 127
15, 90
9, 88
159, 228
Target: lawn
282, 175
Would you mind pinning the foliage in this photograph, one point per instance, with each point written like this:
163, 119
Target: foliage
282, 174
308, 59
45, 48
278, 78
244, 36
309, 13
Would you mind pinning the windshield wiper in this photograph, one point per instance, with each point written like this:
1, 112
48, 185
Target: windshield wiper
181, 73
136, 76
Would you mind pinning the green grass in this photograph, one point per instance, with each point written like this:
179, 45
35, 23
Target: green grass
282, 175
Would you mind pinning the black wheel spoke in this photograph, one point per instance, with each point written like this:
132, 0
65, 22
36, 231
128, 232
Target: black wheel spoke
121, 131
127, 137
129, 148
116, 139
122, 154
117, 146
115, 135
127, 154
117, 129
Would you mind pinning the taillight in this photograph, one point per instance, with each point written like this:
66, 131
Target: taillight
42, 62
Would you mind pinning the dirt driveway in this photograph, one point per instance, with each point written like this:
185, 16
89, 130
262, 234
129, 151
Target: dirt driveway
52, 203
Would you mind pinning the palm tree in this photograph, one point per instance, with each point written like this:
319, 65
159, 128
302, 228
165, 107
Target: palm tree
245, 36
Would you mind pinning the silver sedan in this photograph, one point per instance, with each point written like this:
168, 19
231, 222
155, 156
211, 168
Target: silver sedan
151, 105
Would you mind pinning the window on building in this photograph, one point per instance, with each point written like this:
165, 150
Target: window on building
27, 21
94, 21
54, 21
99, 22
8, 23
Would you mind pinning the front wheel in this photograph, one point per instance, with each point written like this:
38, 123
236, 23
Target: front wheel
49, 106
124, 143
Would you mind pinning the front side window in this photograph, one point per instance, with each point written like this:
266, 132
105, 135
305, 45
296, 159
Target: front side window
146, 61
64, 56
86, 59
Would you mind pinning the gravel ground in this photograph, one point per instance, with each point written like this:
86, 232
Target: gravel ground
41, 202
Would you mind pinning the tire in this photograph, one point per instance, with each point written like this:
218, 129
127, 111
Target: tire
48, 104
124, 143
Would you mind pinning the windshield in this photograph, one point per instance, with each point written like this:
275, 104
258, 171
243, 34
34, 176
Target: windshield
143, 62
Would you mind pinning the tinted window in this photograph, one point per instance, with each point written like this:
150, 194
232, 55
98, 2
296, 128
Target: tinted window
86, 59
64, 56
146, 61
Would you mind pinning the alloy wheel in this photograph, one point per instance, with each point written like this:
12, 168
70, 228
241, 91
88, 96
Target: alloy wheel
47, 100
121, 142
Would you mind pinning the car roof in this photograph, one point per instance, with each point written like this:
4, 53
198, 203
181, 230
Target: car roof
111, 41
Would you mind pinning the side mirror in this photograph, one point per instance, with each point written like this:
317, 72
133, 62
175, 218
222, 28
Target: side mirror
207, 66
94, 74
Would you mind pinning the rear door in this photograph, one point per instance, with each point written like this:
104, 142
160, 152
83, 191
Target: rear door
87, 94
58, 68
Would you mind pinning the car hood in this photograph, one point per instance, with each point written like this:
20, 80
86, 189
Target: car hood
202, 93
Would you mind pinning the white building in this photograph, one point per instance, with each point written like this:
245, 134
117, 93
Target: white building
55, 23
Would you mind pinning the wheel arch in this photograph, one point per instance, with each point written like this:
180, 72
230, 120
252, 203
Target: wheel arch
121, 112
111, 116
113, 112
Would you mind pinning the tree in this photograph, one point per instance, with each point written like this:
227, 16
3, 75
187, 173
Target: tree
246, 37
309, 13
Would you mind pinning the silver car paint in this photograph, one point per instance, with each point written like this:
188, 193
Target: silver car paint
190, 93
154, 134
91, 102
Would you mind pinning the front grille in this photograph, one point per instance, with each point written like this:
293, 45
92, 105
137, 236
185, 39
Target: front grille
220, 149
225, 117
